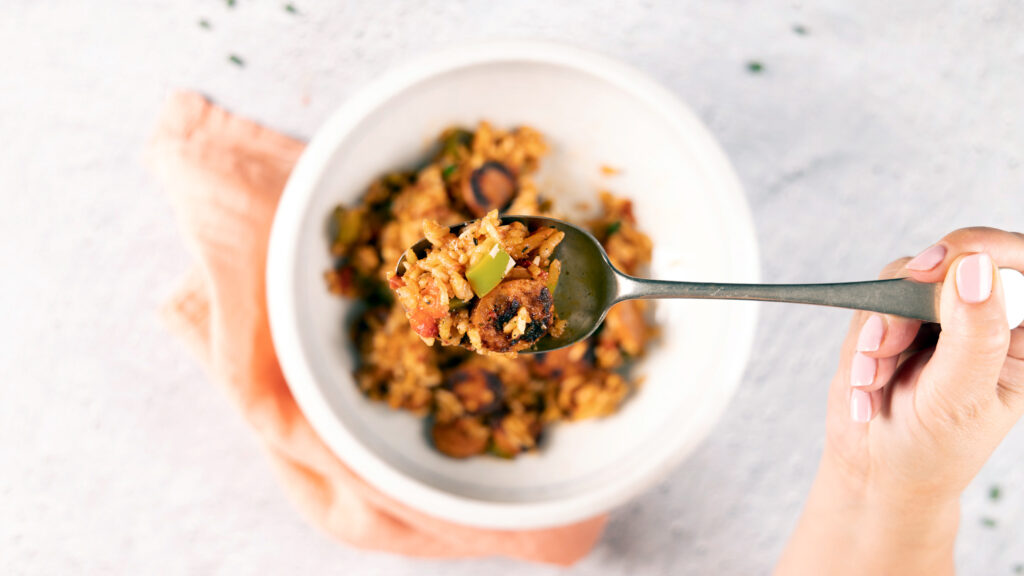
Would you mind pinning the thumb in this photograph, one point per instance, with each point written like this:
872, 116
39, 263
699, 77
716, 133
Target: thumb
962, 376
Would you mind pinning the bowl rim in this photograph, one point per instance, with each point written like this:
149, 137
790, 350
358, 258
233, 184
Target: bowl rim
281, 287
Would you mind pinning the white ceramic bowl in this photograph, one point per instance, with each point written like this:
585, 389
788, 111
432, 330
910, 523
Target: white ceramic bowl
593, 111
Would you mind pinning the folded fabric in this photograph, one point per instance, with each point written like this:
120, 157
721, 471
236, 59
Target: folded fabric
224, 176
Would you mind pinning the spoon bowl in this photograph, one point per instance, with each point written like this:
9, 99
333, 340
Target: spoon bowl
589, 285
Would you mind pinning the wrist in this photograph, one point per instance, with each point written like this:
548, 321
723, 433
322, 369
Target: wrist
887, 524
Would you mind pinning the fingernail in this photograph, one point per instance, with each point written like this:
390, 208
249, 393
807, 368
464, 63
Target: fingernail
862, 370
860, 406
871, 334
974, 278
928, 259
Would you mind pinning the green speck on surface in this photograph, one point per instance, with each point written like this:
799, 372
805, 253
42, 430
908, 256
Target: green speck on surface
448, 170
236, 60
988, 522
1018, 569
799, 30
614, 227
755, 67
231, 3
994, 493
290, 8
204, 24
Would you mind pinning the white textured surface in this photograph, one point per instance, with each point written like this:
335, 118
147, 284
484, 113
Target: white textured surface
866, 139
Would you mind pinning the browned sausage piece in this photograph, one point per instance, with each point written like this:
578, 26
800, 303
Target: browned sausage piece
489, 187
461, 438
502, 304
514, 434
478, 390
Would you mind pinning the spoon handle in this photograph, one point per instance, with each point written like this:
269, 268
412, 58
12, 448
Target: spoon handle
900, 296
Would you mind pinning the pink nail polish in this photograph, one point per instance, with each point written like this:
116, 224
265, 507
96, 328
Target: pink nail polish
860, 406
862, 370
871, 334
974, 278
928, 259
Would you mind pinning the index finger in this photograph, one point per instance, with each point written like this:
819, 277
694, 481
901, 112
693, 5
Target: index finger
1005, 248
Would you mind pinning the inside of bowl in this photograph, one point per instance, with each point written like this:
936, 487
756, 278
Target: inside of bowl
678, 201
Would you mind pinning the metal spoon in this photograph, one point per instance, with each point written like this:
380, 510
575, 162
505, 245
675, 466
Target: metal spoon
589, 285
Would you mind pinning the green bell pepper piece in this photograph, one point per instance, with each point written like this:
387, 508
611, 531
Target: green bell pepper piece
488, 271
347, 225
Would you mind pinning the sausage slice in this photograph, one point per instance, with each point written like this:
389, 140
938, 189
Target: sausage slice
502, 304
489, 187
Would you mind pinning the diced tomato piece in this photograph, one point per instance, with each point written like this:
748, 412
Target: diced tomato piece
423, 324
430, 301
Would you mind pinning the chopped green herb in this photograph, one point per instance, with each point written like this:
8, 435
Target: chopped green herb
290, 8
455, 139
236, 60
994, 493
755, 67
1018, 569
204, 24
988, 522
395, 181
448, 170
613, 227
799, 30
231, 3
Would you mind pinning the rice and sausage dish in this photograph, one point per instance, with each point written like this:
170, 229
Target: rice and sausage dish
488, 288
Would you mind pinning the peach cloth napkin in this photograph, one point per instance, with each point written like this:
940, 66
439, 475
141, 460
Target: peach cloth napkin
224, 176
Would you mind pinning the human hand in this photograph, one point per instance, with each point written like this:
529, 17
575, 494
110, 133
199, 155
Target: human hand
913, 414
917, 416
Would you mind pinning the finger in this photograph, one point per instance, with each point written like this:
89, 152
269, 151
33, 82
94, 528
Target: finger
882, 335
864, 405
839, 396
961, 377
870, 355
871, 338
870, 374
1005, 248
